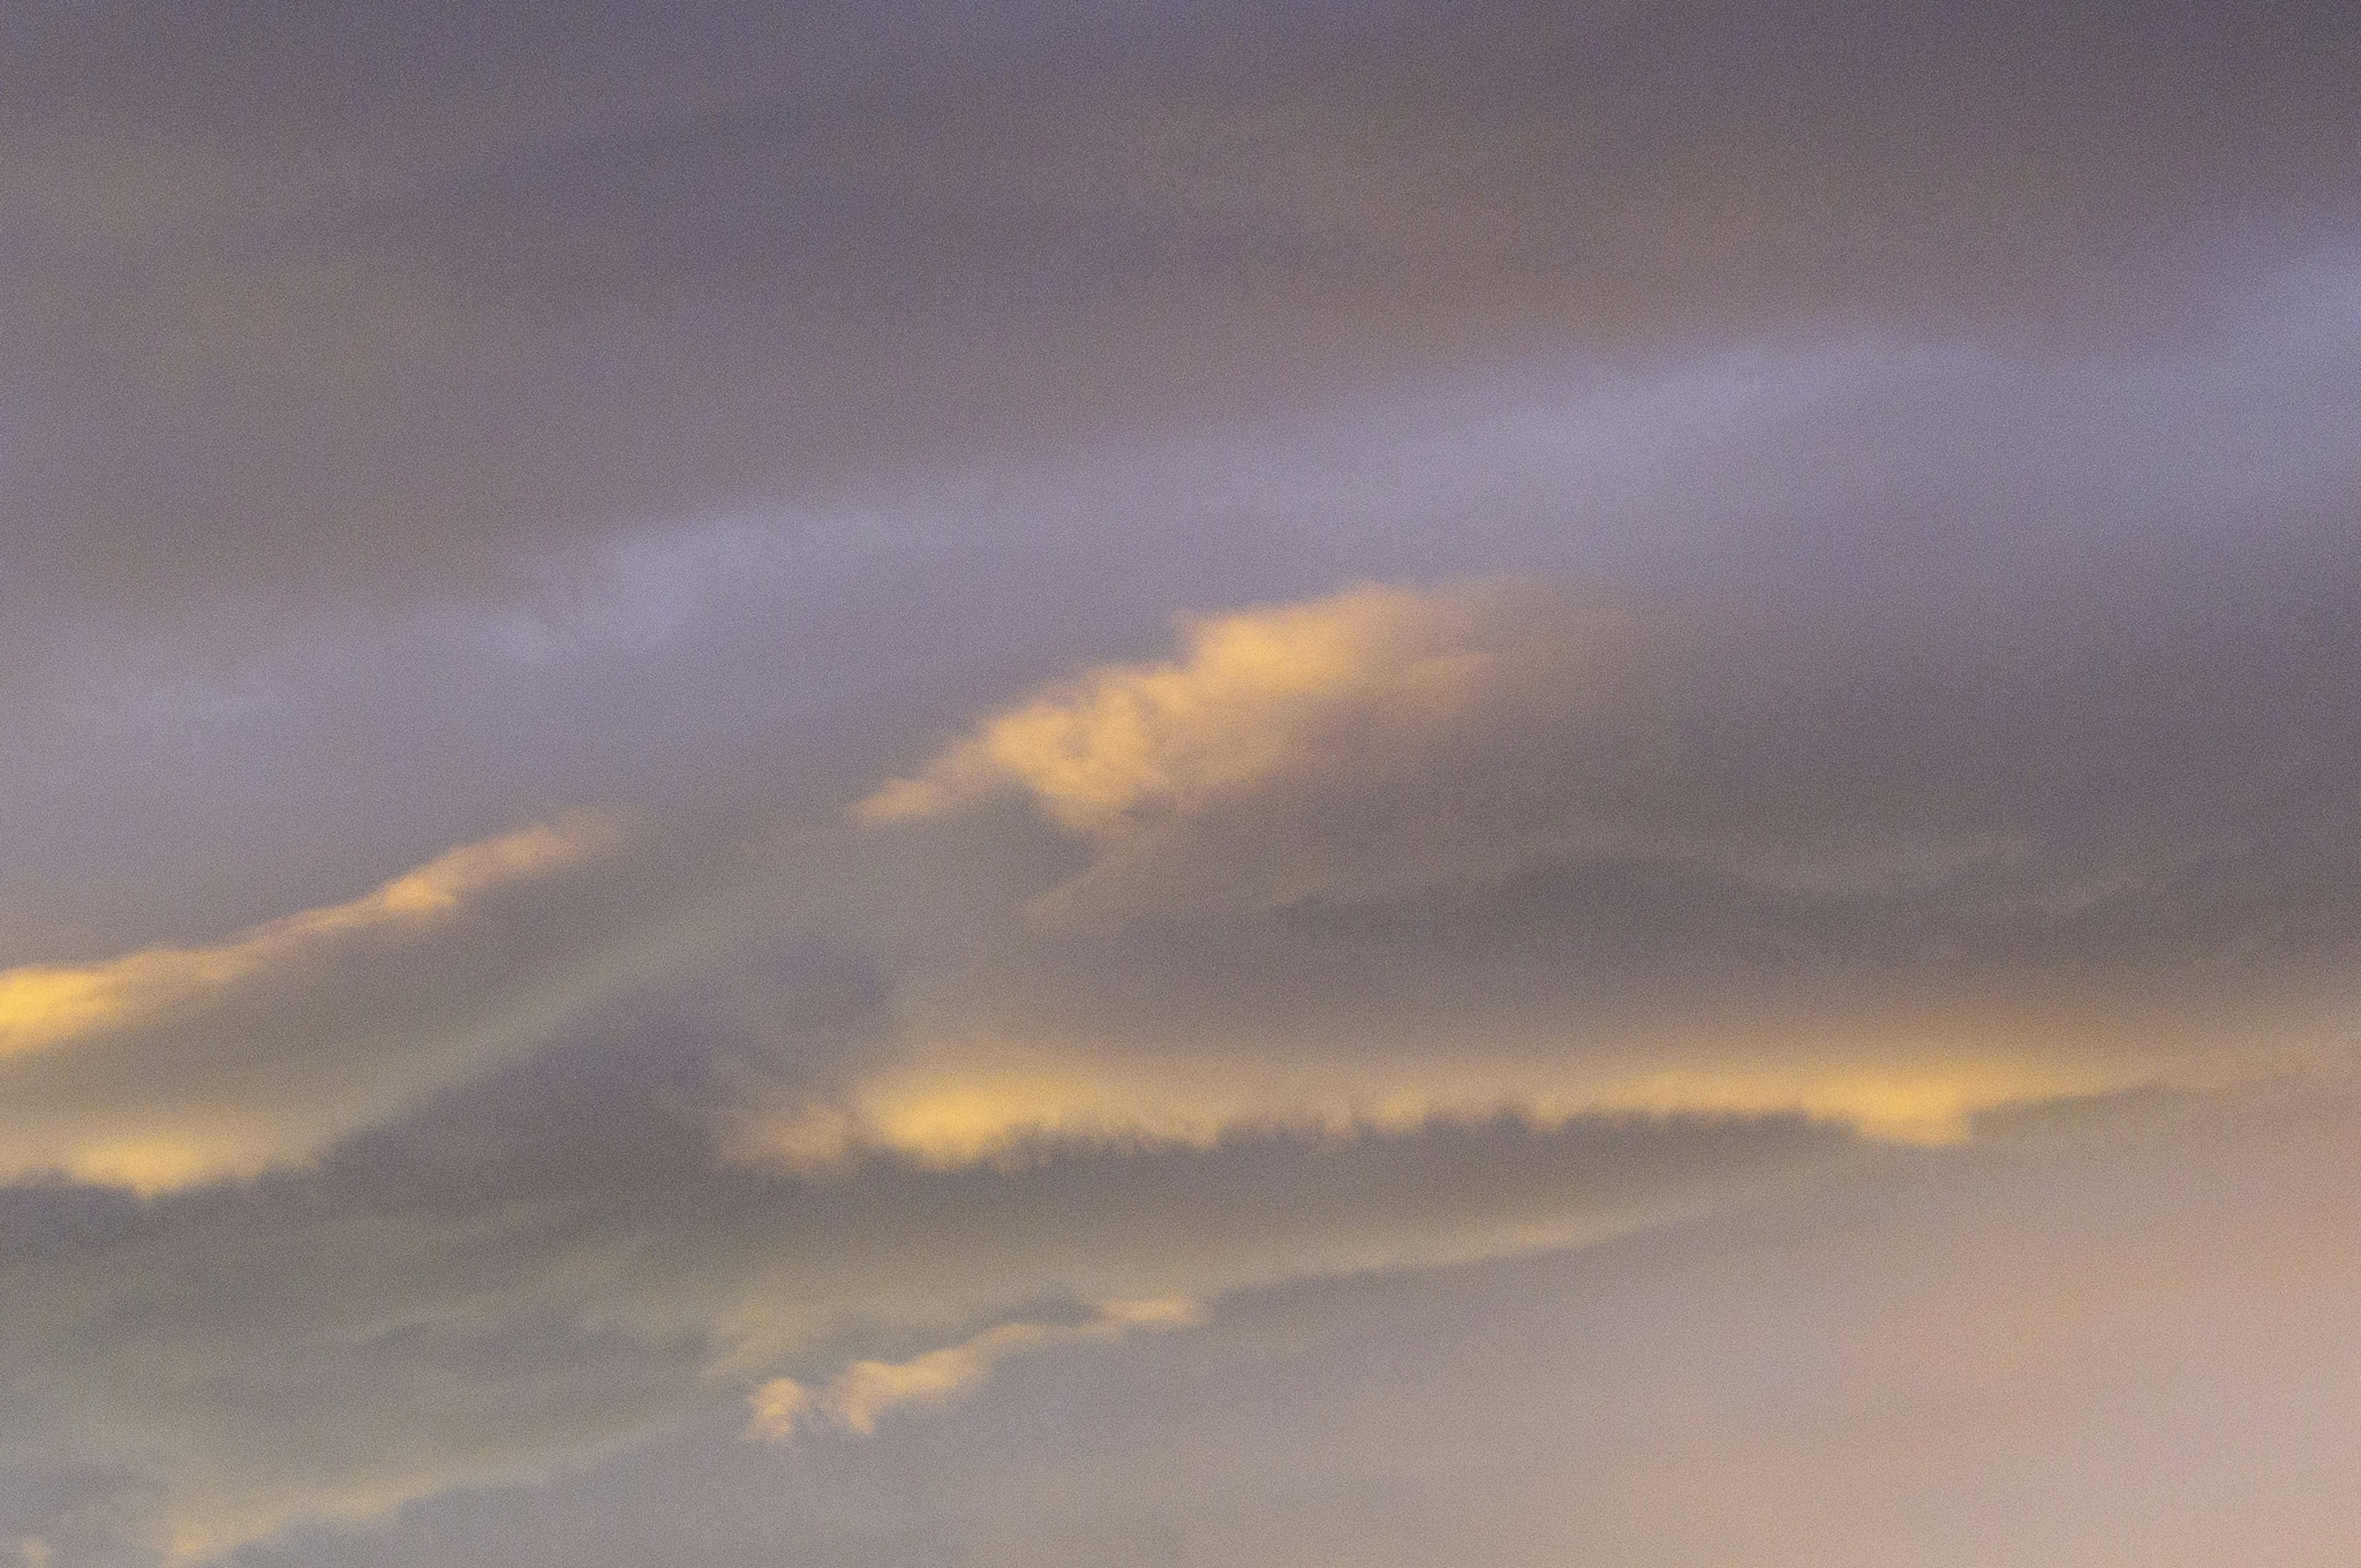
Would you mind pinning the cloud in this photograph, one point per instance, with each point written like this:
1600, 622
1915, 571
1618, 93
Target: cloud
1004, 1111
549, 1262
1396, 855
1661, 909
1258, 695
865, 1390
174, 1066
1942, 425
1267, 710
815, 251
2105, 1334
42, 1006
1652, 916
1364, 744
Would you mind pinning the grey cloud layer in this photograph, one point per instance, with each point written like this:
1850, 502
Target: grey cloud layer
294, 294
2116, 1341
779, 658
2148, 772
556, 1260
2105, 822
528, 1274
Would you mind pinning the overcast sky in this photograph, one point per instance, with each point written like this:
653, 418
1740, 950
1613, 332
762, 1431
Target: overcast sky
1402, 785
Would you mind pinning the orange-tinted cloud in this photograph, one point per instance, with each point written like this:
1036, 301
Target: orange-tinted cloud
180, 1065
1257, 695
43, 1006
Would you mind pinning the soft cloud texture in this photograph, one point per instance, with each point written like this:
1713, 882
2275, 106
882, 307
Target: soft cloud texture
297, 295
1387, 855
147, 1071
42, 1007
1630, 729
487, 1309
1259, 695
867, 1389
2117, 1337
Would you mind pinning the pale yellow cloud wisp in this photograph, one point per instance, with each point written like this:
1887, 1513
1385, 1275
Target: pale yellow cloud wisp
858, 1396
43, 1006
1245, 703
950, 1116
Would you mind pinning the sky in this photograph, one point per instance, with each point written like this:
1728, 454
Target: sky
1305, 785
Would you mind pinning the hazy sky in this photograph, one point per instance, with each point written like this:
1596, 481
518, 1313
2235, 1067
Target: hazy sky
1391, 785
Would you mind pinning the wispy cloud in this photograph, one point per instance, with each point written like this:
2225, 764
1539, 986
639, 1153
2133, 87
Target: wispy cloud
179, 1065
1256, 696
1005, 1108
43, 1006
855, 1397
547, 1262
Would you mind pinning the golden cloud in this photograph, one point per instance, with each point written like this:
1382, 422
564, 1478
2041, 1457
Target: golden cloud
42, 1006
949, 1114
177, 1065
1256, 695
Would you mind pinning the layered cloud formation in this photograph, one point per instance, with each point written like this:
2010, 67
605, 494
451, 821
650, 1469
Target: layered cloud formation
1407, 784
1390, 855
2114, 1337
1392, 927
474, 1308
867, 1389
